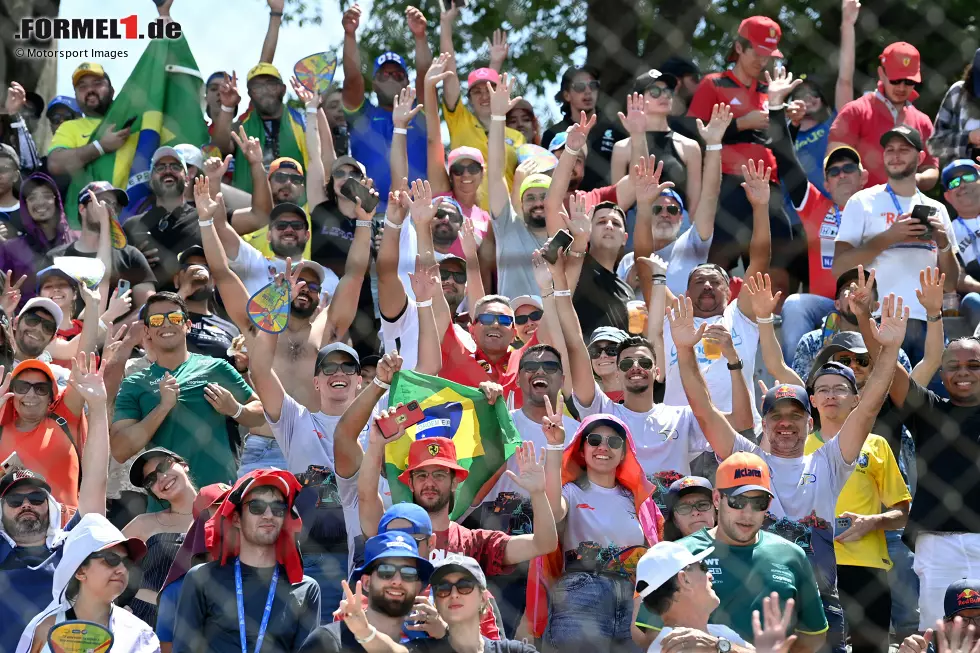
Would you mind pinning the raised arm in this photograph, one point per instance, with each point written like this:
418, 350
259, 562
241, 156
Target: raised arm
257, 215
450, 87
741, 417
315, 172
500, 104
549, 331
347, 451
272, 32
583, 381
87, 341
370, 507
402, 113
577, 138
759, 291
656, 268
211, 215
391, 292
474, 280
532, 479
222, 123
343, 305
634, 148
353, 90
417, 25
435, 152
426, 284
844, 91
553, 427
87, 382
756, 187
707, 206
578, 221
931, 297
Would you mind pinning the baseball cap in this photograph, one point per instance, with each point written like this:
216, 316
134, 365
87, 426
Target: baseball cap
326, 350
674, 195
664, 561
136, 476
535, 181
909, 134
192, 154
385, 57
851, 341
785, 391
763, 33
98, 187
347, 160
839, 153
410, 512
285, 163
743, 472
208, 496
456, 563
901, 61
679, 67
64, 101
22, 477
647, 79
263, 69
466, 152
590, 424
450, 258
393, 544
165, 151
482, 75
53, 271
608, 334
38, 366
850, 276
432, 452
955, 168
44, 304
87, 68
318, 270
963, 594
558, 141
193, 250
10, 153
683, 486
836, 369
526, 300
287, 208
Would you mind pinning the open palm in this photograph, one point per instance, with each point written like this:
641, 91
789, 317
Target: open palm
530, 474
86, 379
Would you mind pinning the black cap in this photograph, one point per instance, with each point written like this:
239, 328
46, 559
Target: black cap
909, 134
964, 594
288, 207
647, 79
850, 276
679, 67
326, 350
193, 250
136, 471
834, 369
19, 477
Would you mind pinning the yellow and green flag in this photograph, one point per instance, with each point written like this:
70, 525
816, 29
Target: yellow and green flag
484, 435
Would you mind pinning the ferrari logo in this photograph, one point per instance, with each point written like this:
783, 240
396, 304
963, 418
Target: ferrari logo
906, 61
433, 449
772, 31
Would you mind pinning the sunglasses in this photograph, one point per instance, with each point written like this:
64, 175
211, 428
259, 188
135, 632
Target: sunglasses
168, 167
657, 91
387, 571
397, 75
47, 326
162, 468
533, 316
111, 558
902, 82
702, 565
176, 318
688, 508
258, 507
458, 277
861, 360
459, 168
313, 287
464, 586
548, 367
612, 441
328, 368
487, 319
627, 364
670, 209
452, 216
21, 387
344, 173
847, 169
969, 178
287, 177
759, 504
17, 500
283, 225
609, 350
580, 87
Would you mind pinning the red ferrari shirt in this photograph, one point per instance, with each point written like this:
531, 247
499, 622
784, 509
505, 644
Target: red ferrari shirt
821, 220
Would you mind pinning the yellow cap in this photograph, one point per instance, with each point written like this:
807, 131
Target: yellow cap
535, 181
263, 69
87, 68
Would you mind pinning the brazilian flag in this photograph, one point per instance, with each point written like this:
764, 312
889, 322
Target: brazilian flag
484, 435
164, 93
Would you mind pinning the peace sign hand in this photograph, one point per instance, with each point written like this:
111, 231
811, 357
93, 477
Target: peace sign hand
11, 294
552, 425
859, 294
351, 610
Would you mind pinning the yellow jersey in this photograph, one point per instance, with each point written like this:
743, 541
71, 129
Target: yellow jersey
74, 133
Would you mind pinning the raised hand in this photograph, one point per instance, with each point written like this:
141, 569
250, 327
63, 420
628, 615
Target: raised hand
849, 12
426, 618
723, 337
781, 85
119, 304
113, 139
417, 23
894, 320
5, 393
423, 211
98, 209
86, 379
228, 93
756, 182
500, 102
646, 179
438, 70
539, 267
653, 263
16, 99
635, 119
310, 99
351, 610
721, 118
116, 343
757, 120
499, 49
215, 169
250, 146
467, 238
577, 218
761, 298
578, 134
206, 206
169, 391
351, 20
956, 639
448, 15
398, 203
388, 366
530, 474
552, 424
771, 638
860, 296
360, 212
402, 110
276, 5
796, 111
425, 280
11, 294
492, 391
681, 319
931, 293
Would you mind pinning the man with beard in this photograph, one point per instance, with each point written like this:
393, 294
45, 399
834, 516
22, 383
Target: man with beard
209, 335
173, 404
70, 149
168, 225
34, 328
806, 486
864, 122
287, 183
961, 183
252, 543
688, 77
878, 231
34, 524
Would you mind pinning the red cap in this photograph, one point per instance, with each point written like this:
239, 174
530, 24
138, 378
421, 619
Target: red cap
901, 61
763, 33
483, 75
432, 452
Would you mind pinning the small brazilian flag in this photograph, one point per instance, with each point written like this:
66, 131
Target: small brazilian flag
484, 435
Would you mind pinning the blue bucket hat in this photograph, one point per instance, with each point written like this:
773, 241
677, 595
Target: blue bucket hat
393, 544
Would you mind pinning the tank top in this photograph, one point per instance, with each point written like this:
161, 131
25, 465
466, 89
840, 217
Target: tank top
663, 146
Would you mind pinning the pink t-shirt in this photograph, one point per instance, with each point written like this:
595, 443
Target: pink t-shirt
480, 220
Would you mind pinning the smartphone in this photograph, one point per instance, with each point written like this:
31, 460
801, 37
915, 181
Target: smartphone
159, 2
128, 123
448, 4
841, 524
122, 286
354, 190
11, 463
561, 241
408, 415
921, 212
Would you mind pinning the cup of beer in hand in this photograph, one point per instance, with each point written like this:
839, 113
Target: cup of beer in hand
712, 348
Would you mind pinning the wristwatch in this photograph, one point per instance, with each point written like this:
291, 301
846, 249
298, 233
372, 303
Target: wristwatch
735, 366
724, 646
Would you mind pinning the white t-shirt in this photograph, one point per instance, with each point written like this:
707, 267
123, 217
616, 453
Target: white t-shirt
745, 336
403, 335
606, 516
667, 438
870, 212
408, 249
967, 231
347, 488
256, 271
713, 629
682, 256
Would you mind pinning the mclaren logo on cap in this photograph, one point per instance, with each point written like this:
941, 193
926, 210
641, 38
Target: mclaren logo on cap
785, 392
433, 449
748, 472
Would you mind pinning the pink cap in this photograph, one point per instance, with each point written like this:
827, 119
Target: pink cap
483, 75
466, 152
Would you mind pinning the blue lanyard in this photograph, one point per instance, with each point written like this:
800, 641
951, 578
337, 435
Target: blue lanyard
898, 207
837, 215
241, 606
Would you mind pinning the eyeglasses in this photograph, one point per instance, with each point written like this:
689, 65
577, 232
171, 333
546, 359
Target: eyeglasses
580, 87
295, 225
759, 504
596, 351
902, 82
670, 209
702, 565
612, 441
486, 319
17, 500
21, 387
459, 168
439, 476
533, 316
49, 327
258, 507
162, 468
967, 177
385, 75
626, 364
165, 167
452, 216
862, 360
657, 91
287, 177
688, 508
176, 318
833, 391
847, 169
458, 277
548, 367
111, 558
344, 173
328, 368
464, 586
967, 621
387, 571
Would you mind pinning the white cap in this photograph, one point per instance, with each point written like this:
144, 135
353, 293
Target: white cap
168, 151
663, 561
526, 300
192, 154
44, 304
92, 533
313, 265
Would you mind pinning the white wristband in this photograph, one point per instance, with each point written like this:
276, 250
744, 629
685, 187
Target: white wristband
498, 118
363, 223
238, 413
571, 151
99, 147
777, 107
765, 320
554, 447
20, 124
205, 223
712, 148
311, 109
426, 304
949, 246
400, 130
374, 633
563, 293
227, 109
389, 223
381, 384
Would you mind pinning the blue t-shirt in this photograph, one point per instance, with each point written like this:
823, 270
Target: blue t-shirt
167, 611
370, 129
26, 578
811, 148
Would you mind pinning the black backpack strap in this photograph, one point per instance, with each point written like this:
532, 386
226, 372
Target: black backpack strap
63, 423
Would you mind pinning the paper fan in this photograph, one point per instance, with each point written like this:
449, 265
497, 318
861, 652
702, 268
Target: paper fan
316, 71
79, 637
269, 307
118, 236
87, 270
548, 161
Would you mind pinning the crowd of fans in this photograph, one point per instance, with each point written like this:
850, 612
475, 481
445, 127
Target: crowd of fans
192, 482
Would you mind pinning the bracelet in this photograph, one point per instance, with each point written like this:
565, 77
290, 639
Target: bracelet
659, 282
227, 109
571, 151
765, 320
735, 366
712, 148
400, 130
777, 107
238, 413
99, 147
311, 109
554, 447
563, 293
660, 276
381, 384
205, 223
426, 304
934, 318
20, 124
548, 294
374, 633
275, 14
949, 246
575, 254
389, 223
363, 223
498, 118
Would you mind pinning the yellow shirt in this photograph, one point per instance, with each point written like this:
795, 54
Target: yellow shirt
74, 133
875, 482
466, 130
259, 241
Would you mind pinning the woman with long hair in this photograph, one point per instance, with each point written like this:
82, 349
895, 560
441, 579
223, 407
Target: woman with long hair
93, 572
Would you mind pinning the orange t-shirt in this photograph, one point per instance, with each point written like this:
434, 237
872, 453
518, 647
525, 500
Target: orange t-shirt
48, 451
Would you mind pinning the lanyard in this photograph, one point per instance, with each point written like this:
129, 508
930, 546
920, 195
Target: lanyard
898, 207
241, 606
837, 215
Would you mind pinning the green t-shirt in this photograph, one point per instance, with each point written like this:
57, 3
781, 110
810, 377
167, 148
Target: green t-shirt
206, 439
743, 575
